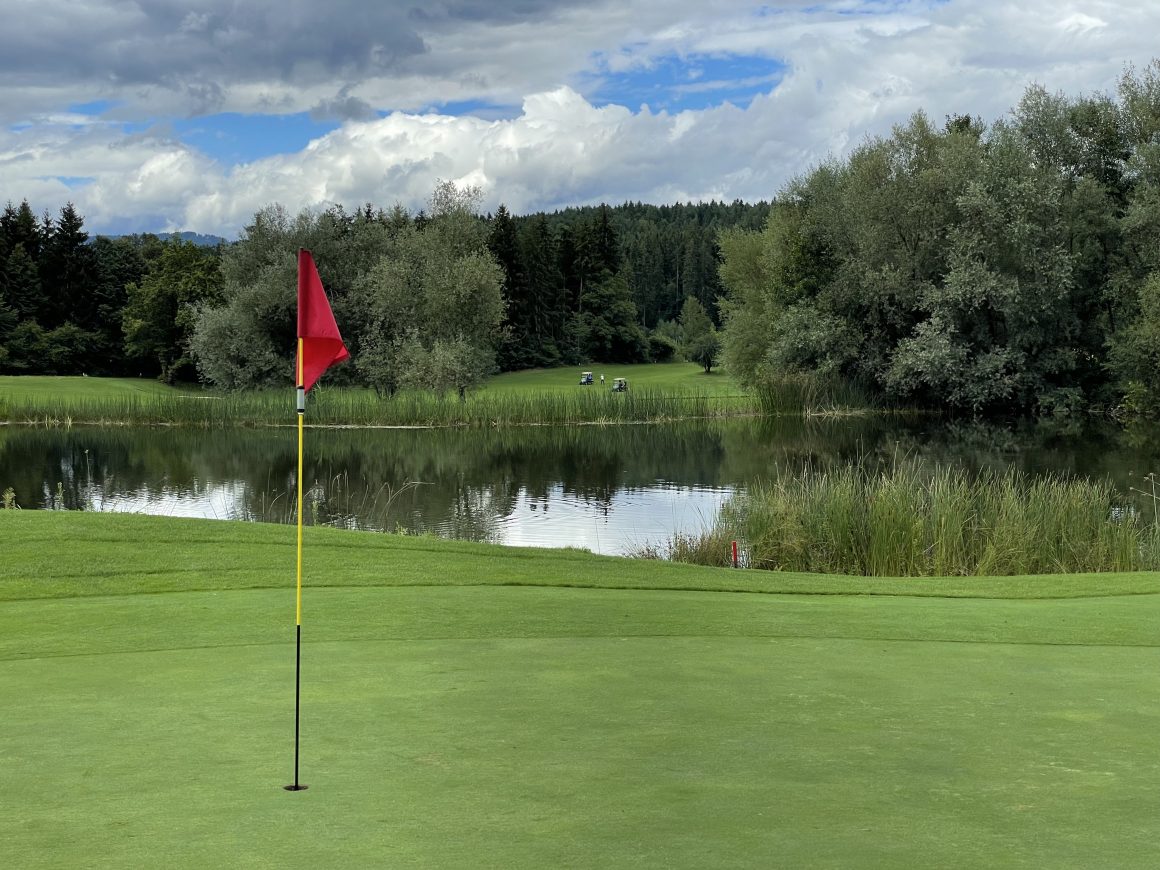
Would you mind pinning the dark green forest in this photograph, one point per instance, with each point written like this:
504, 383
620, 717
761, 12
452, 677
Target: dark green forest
102, 306
1009, 267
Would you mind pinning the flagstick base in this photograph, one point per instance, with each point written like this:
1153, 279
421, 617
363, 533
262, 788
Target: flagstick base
295, 787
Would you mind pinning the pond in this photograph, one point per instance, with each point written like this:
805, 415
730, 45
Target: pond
609, 489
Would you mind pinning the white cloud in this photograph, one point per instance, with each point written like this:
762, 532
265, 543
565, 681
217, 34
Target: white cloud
848, 75
1078, 22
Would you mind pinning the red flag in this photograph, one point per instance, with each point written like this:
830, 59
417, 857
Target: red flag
321, 344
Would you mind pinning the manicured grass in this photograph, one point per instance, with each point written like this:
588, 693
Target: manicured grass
69, 389
677, 377
595, 713
674, 377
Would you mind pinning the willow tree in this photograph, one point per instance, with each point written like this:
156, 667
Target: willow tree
248, 339
699, 340
433, 304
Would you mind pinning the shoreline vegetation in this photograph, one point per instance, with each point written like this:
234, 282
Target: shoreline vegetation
909, 519
658, 393
353, 408
912, 520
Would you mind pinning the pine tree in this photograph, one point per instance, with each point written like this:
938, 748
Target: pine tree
604, 247
546, 293
517, 350
21, 284
18, 226
607, 329
67, 273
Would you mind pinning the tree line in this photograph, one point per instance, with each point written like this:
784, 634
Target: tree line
105, 306
437, 299
1009, 267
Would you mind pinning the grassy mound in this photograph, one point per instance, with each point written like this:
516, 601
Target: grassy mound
475, 706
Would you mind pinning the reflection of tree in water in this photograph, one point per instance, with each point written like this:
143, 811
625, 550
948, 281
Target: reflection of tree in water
1094, 451
85, 464
761, 448
465, 481
464, 475
473, 516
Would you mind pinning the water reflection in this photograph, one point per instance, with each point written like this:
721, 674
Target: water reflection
606, 488
631, 518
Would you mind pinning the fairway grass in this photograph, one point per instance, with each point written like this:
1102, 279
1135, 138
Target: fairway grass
673, 377
475, 706
47, 388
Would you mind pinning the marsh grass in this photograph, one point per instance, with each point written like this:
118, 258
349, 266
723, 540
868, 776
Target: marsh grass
712, 546
356, 407
660, 393
339, 501
909, 520
812, 395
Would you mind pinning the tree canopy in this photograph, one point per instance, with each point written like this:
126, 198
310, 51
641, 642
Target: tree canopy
989, 269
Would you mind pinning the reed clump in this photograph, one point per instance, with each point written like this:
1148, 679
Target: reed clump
711, 546
910, 520
812, 395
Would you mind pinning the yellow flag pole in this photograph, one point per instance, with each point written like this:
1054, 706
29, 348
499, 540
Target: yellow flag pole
297, 786
301, 418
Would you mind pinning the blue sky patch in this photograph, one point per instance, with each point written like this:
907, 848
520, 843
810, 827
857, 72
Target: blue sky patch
676, 83
864, 7
72, 182
94, 107
232, 138
475, 108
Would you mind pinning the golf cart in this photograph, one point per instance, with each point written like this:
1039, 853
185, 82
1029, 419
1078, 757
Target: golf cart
586, 379
619, 385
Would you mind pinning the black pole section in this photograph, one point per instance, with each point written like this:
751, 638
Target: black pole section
297, 698
297, 695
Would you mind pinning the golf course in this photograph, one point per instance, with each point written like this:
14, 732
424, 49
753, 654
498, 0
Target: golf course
466, 705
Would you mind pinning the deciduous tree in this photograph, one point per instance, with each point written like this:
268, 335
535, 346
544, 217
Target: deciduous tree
699, 340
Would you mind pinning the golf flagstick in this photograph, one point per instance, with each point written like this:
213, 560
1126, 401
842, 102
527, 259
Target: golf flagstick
301, 390
319, 347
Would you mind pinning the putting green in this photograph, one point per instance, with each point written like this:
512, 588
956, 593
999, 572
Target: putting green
524, 726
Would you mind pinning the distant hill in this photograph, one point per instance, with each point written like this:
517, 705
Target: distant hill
205, 240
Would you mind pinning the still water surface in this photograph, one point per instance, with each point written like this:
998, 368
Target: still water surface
610, 489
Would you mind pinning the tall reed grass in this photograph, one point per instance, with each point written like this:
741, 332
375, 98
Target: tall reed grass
812, 395
914, 521
352, 407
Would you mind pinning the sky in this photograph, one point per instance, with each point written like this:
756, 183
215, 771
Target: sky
159, 115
